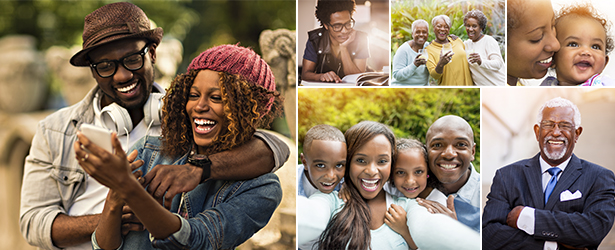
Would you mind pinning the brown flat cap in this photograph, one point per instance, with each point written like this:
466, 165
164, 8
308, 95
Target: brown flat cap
113, 22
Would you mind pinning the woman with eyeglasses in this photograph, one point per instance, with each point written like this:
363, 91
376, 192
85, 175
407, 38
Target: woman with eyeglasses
336, 49
447, 61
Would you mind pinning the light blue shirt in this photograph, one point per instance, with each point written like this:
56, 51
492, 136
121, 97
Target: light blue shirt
404, 70
429, 231
467, 201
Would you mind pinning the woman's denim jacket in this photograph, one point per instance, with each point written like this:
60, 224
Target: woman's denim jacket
222, 214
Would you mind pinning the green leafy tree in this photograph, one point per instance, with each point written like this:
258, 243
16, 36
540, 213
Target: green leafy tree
409, 112
404, 12
199, 25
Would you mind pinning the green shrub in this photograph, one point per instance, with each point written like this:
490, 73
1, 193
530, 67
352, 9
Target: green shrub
409, 112
404, 12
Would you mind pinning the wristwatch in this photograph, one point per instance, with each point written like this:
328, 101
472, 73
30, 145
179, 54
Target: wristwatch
203, 162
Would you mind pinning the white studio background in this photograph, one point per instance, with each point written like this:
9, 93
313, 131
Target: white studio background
606, 8
509, 114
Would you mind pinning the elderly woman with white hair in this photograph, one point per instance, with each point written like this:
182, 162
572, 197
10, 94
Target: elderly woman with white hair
485, 58
408, 67
447, 61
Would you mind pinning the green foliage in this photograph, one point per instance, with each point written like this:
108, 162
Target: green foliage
197, 24
409, 112
404, 12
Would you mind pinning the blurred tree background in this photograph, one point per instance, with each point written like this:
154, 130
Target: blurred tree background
197, 24
404, 12
408, 111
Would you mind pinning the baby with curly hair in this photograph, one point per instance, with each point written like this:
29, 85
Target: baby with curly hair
585, 44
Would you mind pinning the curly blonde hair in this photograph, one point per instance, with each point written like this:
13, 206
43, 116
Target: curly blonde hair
247, 107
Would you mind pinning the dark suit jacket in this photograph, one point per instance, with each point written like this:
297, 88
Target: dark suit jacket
582, 222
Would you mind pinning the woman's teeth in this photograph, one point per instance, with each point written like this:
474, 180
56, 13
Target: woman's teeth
370, 185
548, 60
204, 122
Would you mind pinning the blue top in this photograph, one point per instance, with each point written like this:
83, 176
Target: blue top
221, 214
404, 70
429, 231
467, 201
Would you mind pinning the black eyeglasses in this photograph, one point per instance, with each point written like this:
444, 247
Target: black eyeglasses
132, 62
548, 125
338, 26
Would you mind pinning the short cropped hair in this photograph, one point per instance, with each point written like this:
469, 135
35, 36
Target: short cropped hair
563, 103
479, 16
323, 132
325, 8
587, 10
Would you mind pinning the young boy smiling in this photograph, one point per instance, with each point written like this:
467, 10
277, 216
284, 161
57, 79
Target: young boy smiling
324, 163
324, 160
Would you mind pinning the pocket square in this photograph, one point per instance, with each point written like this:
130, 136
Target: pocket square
567, 195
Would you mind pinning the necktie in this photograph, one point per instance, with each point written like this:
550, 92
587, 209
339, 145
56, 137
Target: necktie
552, 182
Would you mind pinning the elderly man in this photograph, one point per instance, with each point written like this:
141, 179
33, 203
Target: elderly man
554, 199
336, 49
60, 203
450, 152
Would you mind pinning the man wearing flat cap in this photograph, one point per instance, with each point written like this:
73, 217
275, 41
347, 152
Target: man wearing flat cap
60, 203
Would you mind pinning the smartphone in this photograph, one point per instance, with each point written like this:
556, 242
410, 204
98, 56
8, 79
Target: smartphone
97, 135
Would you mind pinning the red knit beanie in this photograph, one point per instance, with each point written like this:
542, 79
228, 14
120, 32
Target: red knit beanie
234, 59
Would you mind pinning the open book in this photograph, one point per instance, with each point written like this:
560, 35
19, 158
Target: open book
368, 79
361, 79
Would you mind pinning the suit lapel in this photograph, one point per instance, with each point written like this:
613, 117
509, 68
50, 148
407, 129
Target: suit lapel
534, 178
569, 176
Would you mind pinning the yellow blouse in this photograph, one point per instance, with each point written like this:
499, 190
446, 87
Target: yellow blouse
457, 71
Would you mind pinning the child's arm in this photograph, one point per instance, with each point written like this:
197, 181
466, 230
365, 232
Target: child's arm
395, 218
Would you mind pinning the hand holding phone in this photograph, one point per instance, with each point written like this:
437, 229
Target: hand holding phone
97, 135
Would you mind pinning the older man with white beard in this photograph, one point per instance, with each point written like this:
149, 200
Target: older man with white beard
554, 200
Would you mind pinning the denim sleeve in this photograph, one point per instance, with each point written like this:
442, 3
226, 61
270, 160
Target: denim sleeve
245, 210
280, 149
